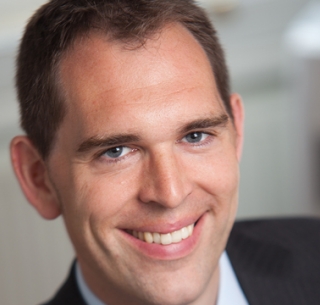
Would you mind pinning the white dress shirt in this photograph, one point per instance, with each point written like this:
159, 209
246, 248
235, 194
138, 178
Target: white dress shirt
230, 292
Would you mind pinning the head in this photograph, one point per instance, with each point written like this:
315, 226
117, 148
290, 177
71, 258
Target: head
52, 31
133, 137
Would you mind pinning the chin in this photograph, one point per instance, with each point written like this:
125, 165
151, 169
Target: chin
173, 295
175, 287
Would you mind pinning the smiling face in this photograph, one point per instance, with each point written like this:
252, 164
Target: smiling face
146, 151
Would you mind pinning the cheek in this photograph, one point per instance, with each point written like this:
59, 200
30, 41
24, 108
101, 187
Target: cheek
219, 176
93, 206
101, 197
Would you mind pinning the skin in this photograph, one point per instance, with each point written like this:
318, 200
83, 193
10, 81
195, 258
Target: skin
161, 182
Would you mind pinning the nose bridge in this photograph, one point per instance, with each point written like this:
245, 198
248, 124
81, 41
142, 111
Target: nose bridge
165, 180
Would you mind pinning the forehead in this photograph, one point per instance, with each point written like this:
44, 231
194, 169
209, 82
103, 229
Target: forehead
100, 76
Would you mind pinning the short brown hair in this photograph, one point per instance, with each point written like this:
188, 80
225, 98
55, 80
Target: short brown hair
56, 25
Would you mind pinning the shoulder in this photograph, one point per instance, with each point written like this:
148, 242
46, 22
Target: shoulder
292, 232
277, 261
284, 227
295, 240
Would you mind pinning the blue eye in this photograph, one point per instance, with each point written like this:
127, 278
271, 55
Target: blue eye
117, 152
195, 137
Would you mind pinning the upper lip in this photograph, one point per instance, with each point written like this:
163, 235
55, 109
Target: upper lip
164, 228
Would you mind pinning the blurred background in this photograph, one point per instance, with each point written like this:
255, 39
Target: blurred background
273, 51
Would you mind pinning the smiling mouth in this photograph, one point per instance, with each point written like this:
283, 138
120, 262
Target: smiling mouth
164, 239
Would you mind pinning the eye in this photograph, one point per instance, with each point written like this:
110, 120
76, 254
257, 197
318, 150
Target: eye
117, 152
195, 137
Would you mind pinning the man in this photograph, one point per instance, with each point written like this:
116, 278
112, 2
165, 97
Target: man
134, 138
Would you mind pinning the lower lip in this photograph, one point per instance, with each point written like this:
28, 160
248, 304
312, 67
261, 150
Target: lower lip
168, 252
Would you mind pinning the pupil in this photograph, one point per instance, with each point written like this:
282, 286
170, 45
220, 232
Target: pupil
114, 152
194, 137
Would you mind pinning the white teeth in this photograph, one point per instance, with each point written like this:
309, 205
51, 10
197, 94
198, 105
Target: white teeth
165, 239
156, 238
148, 237
184, 233
176, 236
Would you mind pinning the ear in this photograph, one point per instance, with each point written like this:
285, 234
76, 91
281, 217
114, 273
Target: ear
32, 175
238, 117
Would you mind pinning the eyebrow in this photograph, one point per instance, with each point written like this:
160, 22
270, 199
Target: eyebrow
122, 139
220, 120
114, 140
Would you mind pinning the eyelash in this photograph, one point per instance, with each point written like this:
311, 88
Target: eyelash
206, 141
114, 160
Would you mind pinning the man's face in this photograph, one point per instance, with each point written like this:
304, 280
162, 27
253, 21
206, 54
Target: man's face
146, 146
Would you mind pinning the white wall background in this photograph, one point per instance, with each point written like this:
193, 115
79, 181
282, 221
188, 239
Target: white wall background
35, 254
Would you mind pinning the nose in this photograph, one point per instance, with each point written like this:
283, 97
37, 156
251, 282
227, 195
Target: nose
165, 180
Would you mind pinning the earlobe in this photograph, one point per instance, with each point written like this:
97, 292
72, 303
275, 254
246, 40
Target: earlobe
238, 116
32, 175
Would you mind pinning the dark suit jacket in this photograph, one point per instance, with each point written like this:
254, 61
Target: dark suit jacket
277, 262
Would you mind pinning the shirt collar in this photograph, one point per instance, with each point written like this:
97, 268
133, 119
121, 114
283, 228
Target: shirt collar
230, 291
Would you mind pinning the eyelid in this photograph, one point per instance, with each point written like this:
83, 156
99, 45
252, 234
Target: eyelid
204, 132
102, 154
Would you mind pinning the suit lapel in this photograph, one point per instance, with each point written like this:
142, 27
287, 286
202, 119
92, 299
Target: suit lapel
270, 261
260, 268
